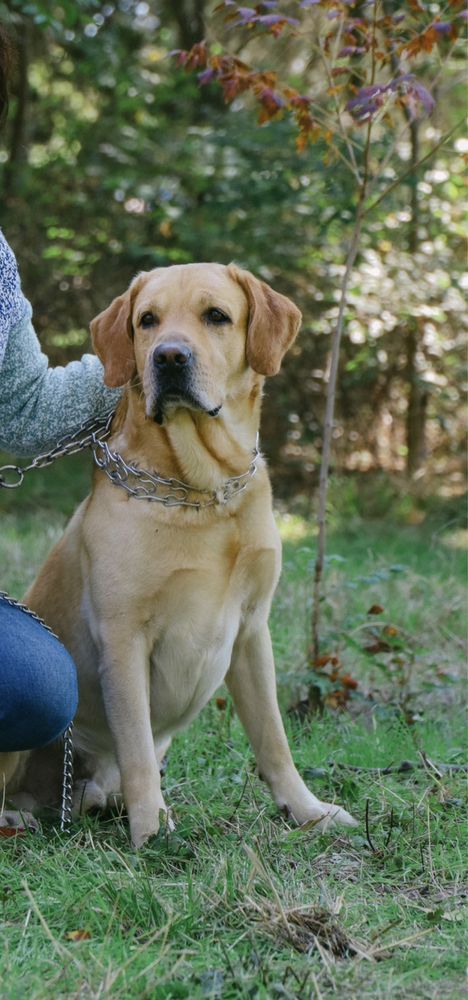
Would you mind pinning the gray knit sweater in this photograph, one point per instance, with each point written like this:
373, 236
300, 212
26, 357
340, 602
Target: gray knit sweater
39, 405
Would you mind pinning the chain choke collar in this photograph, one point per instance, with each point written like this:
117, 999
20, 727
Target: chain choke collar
148, 485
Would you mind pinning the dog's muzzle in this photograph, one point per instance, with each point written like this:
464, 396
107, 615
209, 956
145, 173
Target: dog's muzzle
174, 379
173, 365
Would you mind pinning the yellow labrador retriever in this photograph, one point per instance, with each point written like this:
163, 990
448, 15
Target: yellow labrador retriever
162, 596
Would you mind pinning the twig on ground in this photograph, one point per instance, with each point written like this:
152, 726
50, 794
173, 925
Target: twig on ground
396, 944
429, 766
368, 836
389, 837
236, 807
383, 930
404, 766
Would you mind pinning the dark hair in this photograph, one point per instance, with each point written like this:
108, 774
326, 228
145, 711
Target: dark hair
6, 64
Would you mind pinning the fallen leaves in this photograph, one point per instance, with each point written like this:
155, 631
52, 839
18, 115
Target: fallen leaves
78, 935
306, 928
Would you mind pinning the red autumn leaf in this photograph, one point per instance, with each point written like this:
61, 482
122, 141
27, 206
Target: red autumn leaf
276, 23
375, 609
232, 85
272, 104
422, 43
12, 831
349, 682
78, 935
221, 704
301, 142
299, 101
377, 647
337, 699
194, 58
321, 661
267, 80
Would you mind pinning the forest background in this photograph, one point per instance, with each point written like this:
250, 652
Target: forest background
116, 160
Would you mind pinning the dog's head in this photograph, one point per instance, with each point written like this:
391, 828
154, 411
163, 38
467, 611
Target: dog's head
195, 335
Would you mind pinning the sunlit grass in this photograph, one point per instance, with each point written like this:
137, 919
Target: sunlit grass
294, 528
457, 539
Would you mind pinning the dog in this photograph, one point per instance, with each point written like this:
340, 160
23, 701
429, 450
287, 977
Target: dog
161, 600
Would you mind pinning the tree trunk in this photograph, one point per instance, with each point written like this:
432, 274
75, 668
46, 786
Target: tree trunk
417, 405
17, 150
189, 16
417, 395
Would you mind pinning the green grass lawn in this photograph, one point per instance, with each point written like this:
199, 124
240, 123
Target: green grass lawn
237, 902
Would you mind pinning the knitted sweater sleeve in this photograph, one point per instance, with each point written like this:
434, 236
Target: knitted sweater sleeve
40, 405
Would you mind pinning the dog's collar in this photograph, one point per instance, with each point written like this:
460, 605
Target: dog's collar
145, 485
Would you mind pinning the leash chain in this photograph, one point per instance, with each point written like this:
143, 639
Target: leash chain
67, 773
85, 437
67, 781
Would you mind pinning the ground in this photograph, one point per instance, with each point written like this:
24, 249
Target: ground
237, 902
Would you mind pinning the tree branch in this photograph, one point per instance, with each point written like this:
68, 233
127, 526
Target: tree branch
332, 381
412, 168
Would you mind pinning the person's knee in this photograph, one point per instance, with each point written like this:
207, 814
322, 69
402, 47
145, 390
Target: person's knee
44, 699
54, 702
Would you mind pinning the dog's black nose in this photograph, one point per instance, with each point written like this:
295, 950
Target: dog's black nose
172, 355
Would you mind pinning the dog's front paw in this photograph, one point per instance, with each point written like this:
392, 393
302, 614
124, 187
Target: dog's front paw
88, 796
331, 815
20, 821
306, 808
144, 825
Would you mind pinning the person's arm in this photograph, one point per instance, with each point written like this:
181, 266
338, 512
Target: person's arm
40, 405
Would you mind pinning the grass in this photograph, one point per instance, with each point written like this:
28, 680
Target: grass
238, 903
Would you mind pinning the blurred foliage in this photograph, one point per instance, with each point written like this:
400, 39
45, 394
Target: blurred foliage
113, 161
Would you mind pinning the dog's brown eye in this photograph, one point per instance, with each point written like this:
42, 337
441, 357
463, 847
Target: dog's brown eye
148, 319
216, 316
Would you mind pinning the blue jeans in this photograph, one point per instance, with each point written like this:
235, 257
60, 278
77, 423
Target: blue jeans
38, 685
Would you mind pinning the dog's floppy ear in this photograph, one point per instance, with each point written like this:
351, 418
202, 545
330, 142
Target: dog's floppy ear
273, 323
111, 332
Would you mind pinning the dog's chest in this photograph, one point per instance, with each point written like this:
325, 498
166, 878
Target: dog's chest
186, 594
190, 640
184, 675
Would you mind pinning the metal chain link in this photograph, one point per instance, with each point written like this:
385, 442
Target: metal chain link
67, 781
23, 607
85, 437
